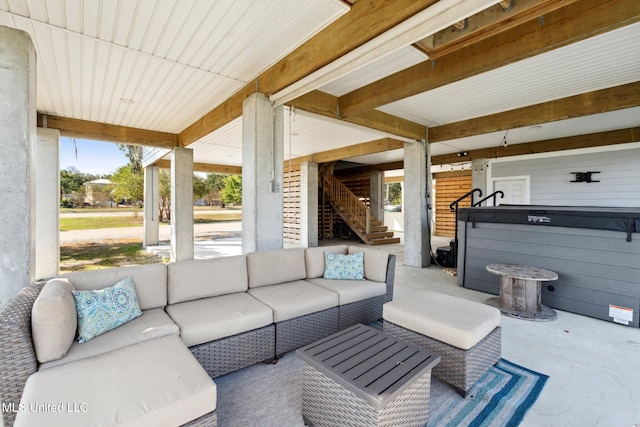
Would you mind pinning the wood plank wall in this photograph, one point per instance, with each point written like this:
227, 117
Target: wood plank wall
291, 206
449, 186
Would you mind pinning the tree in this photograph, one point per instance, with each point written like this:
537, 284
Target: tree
394, 193
164, 203
199, 187
134, 154
214, 183
128, 185
232, 191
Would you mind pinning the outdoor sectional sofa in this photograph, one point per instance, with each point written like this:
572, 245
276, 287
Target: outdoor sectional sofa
199, 317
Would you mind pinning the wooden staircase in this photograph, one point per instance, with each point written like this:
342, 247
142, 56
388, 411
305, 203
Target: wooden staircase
354, 212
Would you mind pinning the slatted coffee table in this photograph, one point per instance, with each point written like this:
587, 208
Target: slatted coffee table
363, 377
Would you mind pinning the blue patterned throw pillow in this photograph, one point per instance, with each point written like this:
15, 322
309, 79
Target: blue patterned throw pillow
344, 267
106, 309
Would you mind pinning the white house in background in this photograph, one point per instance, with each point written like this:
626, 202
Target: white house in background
97, 192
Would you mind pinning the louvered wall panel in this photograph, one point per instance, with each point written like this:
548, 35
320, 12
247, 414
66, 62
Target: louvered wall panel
291, 206
447, 190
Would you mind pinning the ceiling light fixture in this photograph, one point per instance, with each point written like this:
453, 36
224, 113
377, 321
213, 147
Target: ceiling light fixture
127, 100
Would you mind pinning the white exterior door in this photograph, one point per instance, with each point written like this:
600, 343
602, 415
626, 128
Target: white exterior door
515, 189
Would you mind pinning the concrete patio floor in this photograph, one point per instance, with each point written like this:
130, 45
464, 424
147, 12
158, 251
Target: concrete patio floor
593, 365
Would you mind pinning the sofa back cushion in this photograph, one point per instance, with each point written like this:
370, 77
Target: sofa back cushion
150, 282
53, 320
274, 267
314, 259
375, 263
190, 280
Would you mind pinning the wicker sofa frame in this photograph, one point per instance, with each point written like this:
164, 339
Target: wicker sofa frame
460, 368
219, 357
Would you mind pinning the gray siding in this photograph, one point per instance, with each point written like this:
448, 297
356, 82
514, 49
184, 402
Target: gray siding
550, 178
595, 267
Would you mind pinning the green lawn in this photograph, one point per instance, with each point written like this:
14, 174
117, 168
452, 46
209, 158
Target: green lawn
94, 256
92, 222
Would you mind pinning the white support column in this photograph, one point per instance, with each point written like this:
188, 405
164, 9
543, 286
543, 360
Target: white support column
479, 169
262, 174
308, 204
181, 204
47, 204
17, 161
417, 244
151, 226
376, 194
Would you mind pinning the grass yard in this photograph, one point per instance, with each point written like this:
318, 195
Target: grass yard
94, 256
93, 222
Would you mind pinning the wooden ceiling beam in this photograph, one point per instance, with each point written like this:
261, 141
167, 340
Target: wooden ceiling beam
575, 22
74, 128
326, 105
380, 167
600, 101
370, 147
365, 21
204, 167
490, 22
614, 137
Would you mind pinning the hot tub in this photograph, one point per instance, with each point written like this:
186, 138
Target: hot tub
594, 250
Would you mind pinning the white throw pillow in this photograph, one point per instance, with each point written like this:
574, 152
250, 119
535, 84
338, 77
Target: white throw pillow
54, 320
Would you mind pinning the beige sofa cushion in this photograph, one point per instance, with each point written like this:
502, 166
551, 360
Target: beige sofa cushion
54, 320
352, 290
314, 258
154, 383
150, 282
375, 263
152, 324
213, 318
272, 267
294, 299
190, 280
452, 320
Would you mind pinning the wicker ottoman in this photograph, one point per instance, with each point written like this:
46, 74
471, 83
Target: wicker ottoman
464, 333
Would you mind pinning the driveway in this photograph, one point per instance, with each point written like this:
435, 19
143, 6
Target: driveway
101, 234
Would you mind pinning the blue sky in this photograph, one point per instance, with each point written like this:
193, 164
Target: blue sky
93, 156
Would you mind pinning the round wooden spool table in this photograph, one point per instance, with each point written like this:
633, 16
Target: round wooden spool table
520, 291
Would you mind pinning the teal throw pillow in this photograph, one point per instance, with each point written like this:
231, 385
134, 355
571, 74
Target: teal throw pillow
105, 309
344, 267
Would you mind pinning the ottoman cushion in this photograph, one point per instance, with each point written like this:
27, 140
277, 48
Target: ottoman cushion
458, 322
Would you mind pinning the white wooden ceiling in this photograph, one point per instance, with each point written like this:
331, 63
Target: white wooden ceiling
160, 65
157, 64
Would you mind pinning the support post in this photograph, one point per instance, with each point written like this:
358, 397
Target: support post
417, 245
308, 204
47, 249
262, 174
181, 204
376, 195
17, 161
151, 226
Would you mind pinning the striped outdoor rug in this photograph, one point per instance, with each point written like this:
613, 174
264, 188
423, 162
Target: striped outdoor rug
271, 395
500, 398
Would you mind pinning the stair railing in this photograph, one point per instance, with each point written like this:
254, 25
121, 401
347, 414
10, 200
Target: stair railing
356, 210
493, 196
454, 207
